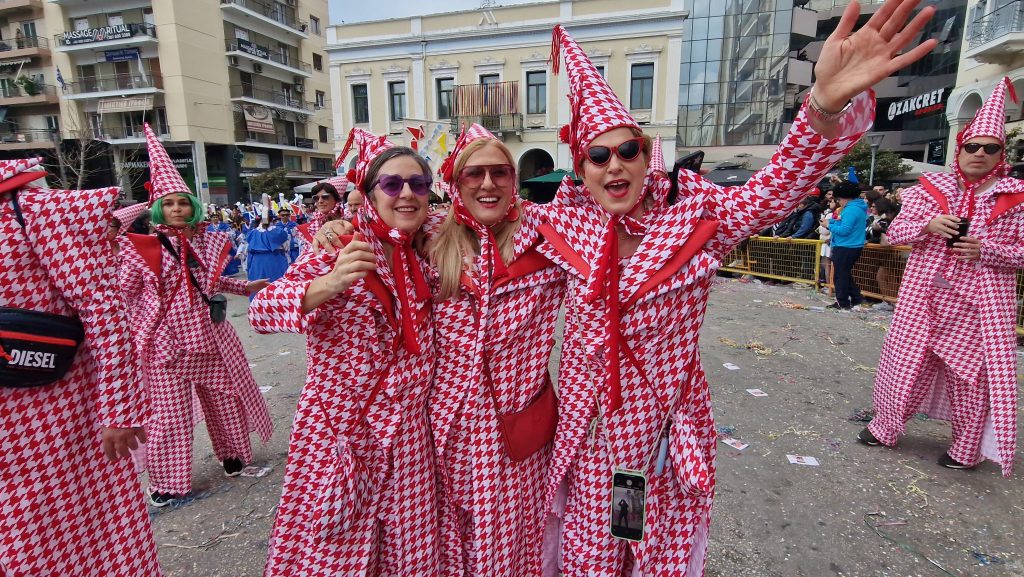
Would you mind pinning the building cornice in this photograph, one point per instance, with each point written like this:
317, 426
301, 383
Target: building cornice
584, 30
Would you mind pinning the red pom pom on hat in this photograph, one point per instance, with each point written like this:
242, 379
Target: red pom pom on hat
563, 134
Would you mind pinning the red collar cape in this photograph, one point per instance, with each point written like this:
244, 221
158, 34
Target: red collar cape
1004, 202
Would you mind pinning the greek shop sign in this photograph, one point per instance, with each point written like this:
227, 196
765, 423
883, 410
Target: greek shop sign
116, 32
919, 105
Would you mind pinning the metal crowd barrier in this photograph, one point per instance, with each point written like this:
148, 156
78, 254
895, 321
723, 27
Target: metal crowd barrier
878, 271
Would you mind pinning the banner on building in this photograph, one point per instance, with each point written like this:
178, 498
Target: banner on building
115, 32
121, 55
253, 49
125, 104
258, 119
255, 160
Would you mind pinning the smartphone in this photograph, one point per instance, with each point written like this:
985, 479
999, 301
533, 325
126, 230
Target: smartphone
627, 514
961, 231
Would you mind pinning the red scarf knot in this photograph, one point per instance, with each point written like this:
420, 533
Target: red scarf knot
406, 269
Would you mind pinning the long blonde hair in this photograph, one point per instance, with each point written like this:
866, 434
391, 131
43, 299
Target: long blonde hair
455, 241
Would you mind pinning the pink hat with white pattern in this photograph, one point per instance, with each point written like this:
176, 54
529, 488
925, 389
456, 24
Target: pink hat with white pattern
128, 214
164, 178
368, 146
594, 107
468, 135
990, 120
657, 157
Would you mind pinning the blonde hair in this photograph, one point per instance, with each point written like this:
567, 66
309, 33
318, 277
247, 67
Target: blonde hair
455, 240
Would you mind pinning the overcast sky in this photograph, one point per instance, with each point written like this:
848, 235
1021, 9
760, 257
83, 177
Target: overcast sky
361, 10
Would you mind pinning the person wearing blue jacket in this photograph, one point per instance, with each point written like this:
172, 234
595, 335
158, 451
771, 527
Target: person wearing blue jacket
267, 257
847, 243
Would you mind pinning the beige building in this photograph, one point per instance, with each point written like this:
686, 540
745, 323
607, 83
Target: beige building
992, 49
490, 66
233, 87
29, 111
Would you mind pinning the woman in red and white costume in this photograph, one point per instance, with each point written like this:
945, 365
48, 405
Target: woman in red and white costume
327, 200
69, 496
494, 319
181, 347
630, 380
360, 494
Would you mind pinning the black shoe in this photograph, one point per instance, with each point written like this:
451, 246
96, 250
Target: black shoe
233, 467
865, 437
948, 462
836, 307
856, 302
158, 500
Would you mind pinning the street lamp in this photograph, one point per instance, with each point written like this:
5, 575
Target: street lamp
874, 140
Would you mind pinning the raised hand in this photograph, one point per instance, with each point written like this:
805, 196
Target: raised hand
851, 62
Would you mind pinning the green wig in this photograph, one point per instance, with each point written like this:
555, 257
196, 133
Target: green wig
156, 212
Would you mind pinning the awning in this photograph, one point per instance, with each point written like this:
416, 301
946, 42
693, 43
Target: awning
15, 61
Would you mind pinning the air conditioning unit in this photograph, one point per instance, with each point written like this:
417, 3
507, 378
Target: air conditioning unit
257, 67
291, 2
233, 60
296, 80
298, 88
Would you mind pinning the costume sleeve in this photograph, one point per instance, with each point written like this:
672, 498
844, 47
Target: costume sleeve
917, 211
278, 308
235, 286
800, 162
1001, 254
86, 275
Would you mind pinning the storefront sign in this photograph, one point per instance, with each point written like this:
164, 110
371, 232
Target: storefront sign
121, 55
256, 160
920, 105
136, 163
125, 104
304, 143
258, 119
116, 32
253, 49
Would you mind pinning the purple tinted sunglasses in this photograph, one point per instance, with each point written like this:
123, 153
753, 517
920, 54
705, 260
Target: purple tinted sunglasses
392, 184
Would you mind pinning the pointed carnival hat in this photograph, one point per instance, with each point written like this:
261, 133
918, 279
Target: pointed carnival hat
368, 147
468, 135
164, 178
657, 157
129, 214
593, 105
990, 120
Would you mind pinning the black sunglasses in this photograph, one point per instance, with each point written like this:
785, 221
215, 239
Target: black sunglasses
322, 197
628, 150
991, 148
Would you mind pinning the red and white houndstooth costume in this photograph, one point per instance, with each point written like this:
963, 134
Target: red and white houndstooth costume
183, 349
359, 494
64, 508
950, 350
491, 513
662, 295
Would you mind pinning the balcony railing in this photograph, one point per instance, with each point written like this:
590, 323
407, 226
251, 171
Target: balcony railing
105, 34
29, 136
273, 10
495, 106
269, 96
998, 23
252, 49
281, 139
23, 43
114, 83
11, 90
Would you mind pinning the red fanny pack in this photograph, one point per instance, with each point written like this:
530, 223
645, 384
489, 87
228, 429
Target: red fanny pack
36, 348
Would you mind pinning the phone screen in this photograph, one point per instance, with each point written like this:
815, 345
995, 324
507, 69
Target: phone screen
628, 504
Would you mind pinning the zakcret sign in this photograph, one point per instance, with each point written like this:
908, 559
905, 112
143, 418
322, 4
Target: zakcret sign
115, 32
919, 105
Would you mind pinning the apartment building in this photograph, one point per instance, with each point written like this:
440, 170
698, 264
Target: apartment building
993, 49
490, 65
748, 64
29, 109
233, 87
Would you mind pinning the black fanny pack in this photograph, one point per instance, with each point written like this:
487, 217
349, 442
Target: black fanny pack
218, 303
36, 348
